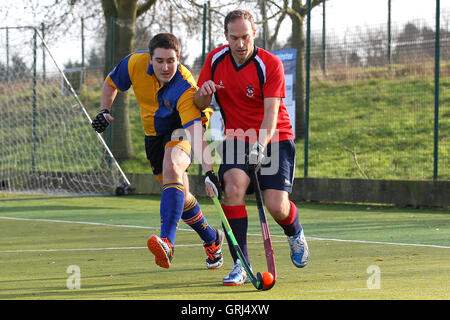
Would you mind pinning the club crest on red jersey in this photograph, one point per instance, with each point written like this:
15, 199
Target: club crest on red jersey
250, 91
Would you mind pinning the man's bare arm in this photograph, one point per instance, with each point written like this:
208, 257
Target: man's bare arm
269, 123
203, 96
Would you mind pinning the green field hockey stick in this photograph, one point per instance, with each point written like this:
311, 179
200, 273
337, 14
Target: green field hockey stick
256, 281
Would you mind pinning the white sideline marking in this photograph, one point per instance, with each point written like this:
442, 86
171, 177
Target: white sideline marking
380, 242
104, 249
190, 230
70, 249
82, 222
335, 290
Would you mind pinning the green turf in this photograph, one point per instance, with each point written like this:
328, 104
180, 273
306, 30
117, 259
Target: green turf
109, 247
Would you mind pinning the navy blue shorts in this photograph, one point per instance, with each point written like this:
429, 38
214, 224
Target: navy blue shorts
277, 171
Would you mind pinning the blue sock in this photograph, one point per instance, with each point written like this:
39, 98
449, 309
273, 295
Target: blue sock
171, 209
193, 216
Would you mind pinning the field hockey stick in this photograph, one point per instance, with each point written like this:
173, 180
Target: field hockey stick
256, 281
265, 230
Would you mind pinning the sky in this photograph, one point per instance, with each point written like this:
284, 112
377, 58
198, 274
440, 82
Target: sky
341, 15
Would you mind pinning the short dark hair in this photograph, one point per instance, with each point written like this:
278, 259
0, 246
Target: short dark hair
165, 41
236, 14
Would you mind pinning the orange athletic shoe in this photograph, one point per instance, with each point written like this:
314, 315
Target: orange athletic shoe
214, 259
162, 249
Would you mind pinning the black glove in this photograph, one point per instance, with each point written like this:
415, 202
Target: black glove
212, 179
255, 157
100, 123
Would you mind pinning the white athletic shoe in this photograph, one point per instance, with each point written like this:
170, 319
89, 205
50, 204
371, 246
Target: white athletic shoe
236, 277
299, 249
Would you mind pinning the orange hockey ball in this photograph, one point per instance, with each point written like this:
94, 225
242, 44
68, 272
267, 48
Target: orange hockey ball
267, 279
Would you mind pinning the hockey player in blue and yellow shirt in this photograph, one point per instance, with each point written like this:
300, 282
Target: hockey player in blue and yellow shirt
173, 127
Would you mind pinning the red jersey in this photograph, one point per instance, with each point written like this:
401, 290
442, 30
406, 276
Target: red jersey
241, 101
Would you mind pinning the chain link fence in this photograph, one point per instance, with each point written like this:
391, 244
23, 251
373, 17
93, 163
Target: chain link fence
373, 96
47, 145
372, 99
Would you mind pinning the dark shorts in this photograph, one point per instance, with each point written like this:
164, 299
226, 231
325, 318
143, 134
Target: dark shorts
155, 147
277, 171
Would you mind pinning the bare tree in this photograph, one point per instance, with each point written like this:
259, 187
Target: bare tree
297, 11
120, 20
119, 26
275, 12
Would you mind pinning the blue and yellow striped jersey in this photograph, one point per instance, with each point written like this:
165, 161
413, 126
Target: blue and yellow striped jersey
163, 108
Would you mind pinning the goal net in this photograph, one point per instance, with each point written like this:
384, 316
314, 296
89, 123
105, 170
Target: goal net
47, 144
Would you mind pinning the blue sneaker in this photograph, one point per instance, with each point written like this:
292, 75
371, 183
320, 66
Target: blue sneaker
299, 249
236, 277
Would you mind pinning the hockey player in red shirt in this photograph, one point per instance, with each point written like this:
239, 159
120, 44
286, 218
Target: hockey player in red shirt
248, 84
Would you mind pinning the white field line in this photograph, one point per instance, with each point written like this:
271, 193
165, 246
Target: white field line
185, 245
335, 290
381, 242
105, 249
70, 249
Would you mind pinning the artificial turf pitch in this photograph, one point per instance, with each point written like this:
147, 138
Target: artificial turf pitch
362, 252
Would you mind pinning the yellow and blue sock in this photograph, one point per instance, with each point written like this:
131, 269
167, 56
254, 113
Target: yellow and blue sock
193, 216
171, 209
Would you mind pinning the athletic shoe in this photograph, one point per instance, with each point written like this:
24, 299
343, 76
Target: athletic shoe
214, 254
162, 249
299, 249
236, 277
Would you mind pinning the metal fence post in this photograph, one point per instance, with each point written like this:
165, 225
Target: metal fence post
308, 69
436, 90
204, 34
324, 40
389, 45
7, 54
43, 53
33, 132
112, 36
83, 62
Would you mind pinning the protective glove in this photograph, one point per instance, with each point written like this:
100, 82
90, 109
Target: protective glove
255, 157
211, 178
100, 123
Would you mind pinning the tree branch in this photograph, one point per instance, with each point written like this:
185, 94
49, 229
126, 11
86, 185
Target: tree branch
355, 158
143, 8
273, 38
109, 8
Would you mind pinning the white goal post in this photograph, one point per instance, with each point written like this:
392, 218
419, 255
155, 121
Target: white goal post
47, 144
